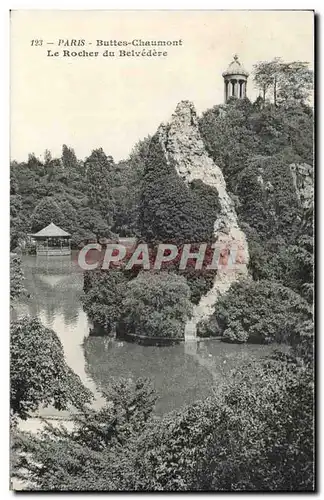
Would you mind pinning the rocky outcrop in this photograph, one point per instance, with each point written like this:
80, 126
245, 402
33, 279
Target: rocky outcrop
184, 149
302, 175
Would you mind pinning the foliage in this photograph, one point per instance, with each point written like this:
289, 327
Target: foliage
171, 211
102, 298
268, 201
95, 455
208, 327
228, 136
233, 441
16, 278
127, 192
235, 132
60, 187
287, 81
156, 305
18, 223
261, 311
267, 406
99, 168
39, 374
45, 212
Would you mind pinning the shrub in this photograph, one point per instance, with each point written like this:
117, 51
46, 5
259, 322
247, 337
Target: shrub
262, 312
208, 327
102, 298
16, 278
39, 373
156, 305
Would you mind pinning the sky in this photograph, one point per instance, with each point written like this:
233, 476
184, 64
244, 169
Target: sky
112, 102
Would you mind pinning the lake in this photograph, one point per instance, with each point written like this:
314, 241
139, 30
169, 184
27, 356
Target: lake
180, 374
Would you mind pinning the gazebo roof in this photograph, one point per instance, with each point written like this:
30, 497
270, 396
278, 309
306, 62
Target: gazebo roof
51, 231
236, 68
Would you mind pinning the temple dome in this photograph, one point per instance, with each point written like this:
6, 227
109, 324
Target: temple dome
236, 68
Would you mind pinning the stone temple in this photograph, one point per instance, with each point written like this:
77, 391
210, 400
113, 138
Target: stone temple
235, 80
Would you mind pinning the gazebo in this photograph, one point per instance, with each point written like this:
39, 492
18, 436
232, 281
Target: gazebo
52, 240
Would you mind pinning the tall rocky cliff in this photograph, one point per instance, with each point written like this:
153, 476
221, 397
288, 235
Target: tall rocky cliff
184, 149
303, 182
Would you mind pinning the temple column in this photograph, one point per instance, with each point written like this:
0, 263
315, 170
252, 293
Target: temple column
236, 88
242, 89
225, 90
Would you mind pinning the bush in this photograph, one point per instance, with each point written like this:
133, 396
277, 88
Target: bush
261, 312
39, 374
156, 305
208, 328
16, 278
102, 298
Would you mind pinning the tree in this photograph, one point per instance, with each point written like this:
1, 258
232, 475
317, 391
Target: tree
171, 211
261, 312
268, 199
296, 83
46, 211
156, 305
98, 454
39, 374
47, 157
16, 278
266, 76
69, 158
268, 405
99, 170
228, 136
288, 81
102, 298
35, 164
127, 194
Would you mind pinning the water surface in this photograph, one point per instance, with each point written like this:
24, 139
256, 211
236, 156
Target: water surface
180, 374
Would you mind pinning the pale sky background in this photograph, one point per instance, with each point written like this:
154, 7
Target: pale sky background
113, 102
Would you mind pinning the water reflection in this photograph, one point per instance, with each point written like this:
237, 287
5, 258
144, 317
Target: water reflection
54, 286
181, 374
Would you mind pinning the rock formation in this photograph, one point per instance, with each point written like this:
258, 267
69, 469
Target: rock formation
302, 175
184, 148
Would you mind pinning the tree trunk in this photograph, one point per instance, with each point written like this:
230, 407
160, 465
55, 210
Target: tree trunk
275, 91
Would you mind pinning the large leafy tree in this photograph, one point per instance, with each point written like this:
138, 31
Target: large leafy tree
284, 81
102, 298
69, 159
127, 193
46, 211
156, 305
296, 83
263, 312
171, 211
99, 168
266, 77
39, 374
97, 454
